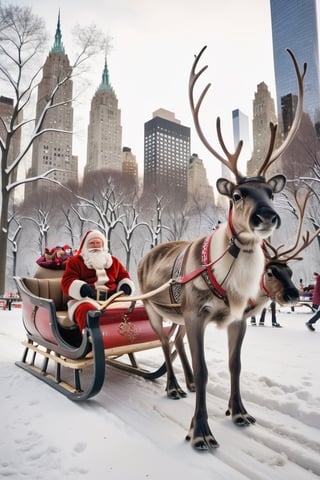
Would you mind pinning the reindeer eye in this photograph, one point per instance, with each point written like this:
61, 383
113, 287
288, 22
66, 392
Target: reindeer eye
236, 197
269, 273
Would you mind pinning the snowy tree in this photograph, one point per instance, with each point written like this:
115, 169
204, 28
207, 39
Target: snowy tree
13, 241
22, 39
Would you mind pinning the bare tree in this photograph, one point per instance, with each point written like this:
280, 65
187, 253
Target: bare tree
129, 223
40, 219
178, 222
22, 37
13, 241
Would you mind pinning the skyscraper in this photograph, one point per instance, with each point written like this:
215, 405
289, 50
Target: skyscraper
288, 108
129, 164
199, 190
240, 123
263, 114
294, 26
104, 130
166, 156
53, 149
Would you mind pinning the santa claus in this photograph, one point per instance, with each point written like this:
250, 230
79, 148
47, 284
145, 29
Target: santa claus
92, 274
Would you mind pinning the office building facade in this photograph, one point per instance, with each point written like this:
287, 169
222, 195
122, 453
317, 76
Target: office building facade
166, 156
199, 190
130, 164
240, 125
294, 26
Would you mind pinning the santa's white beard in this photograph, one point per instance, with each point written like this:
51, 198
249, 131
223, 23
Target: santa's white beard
96, 258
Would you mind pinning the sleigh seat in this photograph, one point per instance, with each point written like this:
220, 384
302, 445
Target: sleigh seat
56, 350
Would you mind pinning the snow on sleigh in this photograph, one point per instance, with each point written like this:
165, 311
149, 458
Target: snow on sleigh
73, 363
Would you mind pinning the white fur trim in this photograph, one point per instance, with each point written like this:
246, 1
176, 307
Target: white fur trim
74, 289
74, 304
102, 277
127, 281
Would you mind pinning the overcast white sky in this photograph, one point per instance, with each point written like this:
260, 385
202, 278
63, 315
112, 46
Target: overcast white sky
154, 43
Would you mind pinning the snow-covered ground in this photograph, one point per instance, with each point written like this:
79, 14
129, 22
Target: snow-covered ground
131, 431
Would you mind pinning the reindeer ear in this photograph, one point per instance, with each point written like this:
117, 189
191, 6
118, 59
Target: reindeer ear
225, 187
277, 183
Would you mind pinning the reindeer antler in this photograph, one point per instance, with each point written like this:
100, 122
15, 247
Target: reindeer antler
232, 158
293, 252
272, 155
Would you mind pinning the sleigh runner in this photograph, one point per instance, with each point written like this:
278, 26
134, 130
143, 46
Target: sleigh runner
73, 362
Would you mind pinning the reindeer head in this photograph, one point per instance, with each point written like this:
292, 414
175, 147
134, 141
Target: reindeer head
277, 283
277, 277
250, 197
251, 203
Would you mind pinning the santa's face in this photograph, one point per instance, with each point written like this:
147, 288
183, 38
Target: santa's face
95, 244
95, 255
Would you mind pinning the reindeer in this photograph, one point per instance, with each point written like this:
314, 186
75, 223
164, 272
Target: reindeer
216, 276
276, 285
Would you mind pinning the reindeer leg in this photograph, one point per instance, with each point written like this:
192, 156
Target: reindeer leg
173, 388
179, 344
199, 433
236, 333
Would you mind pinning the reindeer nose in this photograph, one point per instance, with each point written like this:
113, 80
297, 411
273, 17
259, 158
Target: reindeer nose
291, 295
266, 216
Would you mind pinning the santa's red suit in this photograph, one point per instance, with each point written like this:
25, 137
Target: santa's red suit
77, 274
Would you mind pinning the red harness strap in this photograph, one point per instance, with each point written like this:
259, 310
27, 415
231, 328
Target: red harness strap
264, 288
208, 274
205, 270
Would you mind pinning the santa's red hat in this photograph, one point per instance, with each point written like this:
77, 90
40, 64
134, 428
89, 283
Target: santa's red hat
89, 236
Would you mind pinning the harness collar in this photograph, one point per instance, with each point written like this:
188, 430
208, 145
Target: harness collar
205, 270
207, 273
263, 287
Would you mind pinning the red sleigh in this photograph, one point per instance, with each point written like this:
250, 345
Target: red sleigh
72, 362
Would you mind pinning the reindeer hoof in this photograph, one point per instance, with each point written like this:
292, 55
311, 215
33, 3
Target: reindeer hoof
204, 444
175, 394
243, 420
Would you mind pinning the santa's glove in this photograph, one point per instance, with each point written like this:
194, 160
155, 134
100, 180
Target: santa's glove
87, 291
125, 288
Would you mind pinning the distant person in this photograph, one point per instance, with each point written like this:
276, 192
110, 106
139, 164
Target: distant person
301, 286
92, 275
315, 303
263, 316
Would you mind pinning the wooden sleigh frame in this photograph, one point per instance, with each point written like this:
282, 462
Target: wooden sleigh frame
72, 362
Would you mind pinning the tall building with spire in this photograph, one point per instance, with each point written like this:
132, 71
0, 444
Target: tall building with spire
53, 149
104, 130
